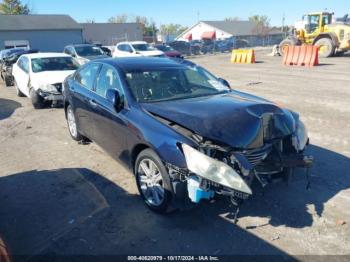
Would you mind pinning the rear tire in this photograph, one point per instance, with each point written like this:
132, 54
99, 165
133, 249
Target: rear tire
153, 181
37, 101
72, 124
326, 47
8, 81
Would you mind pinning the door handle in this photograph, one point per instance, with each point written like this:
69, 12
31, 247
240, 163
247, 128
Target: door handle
92, 102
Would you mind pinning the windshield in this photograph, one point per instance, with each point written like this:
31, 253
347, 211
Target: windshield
172, 84
142, 47
88, 51
53, 64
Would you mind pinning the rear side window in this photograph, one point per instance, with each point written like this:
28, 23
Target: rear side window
124, 48
23, 63
19, 63
108, 79
87, 75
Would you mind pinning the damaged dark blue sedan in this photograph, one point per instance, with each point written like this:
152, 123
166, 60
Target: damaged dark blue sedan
184, 133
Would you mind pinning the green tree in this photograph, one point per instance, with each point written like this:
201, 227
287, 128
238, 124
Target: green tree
172, 29
14, 7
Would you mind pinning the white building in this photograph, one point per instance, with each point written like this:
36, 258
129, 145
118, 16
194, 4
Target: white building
245, 30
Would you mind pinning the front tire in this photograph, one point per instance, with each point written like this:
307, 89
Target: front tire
37, 101
18, 92
72, 124
326, 47
153, 181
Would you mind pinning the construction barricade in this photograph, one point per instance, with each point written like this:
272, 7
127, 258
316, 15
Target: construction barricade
241, 56
306, 55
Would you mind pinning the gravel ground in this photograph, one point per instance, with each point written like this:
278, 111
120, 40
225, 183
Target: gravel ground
61, 198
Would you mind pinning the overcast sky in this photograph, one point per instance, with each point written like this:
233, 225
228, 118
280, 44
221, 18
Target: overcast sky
186, 12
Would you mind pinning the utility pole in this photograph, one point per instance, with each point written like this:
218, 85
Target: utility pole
198, 16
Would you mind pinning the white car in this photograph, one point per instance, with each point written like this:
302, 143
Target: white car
40, 76
138, 48
83, 53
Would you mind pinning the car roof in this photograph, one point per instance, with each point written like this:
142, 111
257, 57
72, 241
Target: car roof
80, 45
45, 55
133, 43
145, 63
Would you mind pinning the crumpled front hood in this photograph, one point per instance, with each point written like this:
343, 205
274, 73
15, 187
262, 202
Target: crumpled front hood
50, 77
235, 119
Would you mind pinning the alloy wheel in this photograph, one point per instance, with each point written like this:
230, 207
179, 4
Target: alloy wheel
151, 182
71, 122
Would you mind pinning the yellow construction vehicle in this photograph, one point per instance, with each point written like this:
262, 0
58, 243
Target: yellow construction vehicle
332, 37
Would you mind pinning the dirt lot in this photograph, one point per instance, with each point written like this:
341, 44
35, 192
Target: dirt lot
58, 197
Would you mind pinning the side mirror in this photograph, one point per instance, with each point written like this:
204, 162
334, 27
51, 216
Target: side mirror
73, 55
224, 82
114, 97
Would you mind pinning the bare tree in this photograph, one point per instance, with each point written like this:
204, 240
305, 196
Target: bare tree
234, 18
123, 18
148, 26
262, 27
90, 21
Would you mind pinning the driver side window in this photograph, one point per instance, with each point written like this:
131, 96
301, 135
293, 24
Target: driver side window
125, 48
314, 22
107, 79
87, 75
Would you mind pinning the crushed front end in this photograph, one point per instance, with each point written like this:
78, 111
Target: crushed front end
215, 168
51, 92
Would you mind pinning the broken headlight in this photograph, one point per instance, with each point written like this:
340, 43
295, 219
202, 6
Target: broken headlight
214, 170
48, 88
300, 138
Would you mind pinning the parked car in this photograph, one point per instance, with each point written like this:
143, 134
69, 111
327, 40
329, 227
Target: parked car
134, 49
224, 45
169, 51
7, 64
106, 50
84, 53
7, 53
196, 46
182, 131
40, 76
208, 46
241, 43
182, 46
